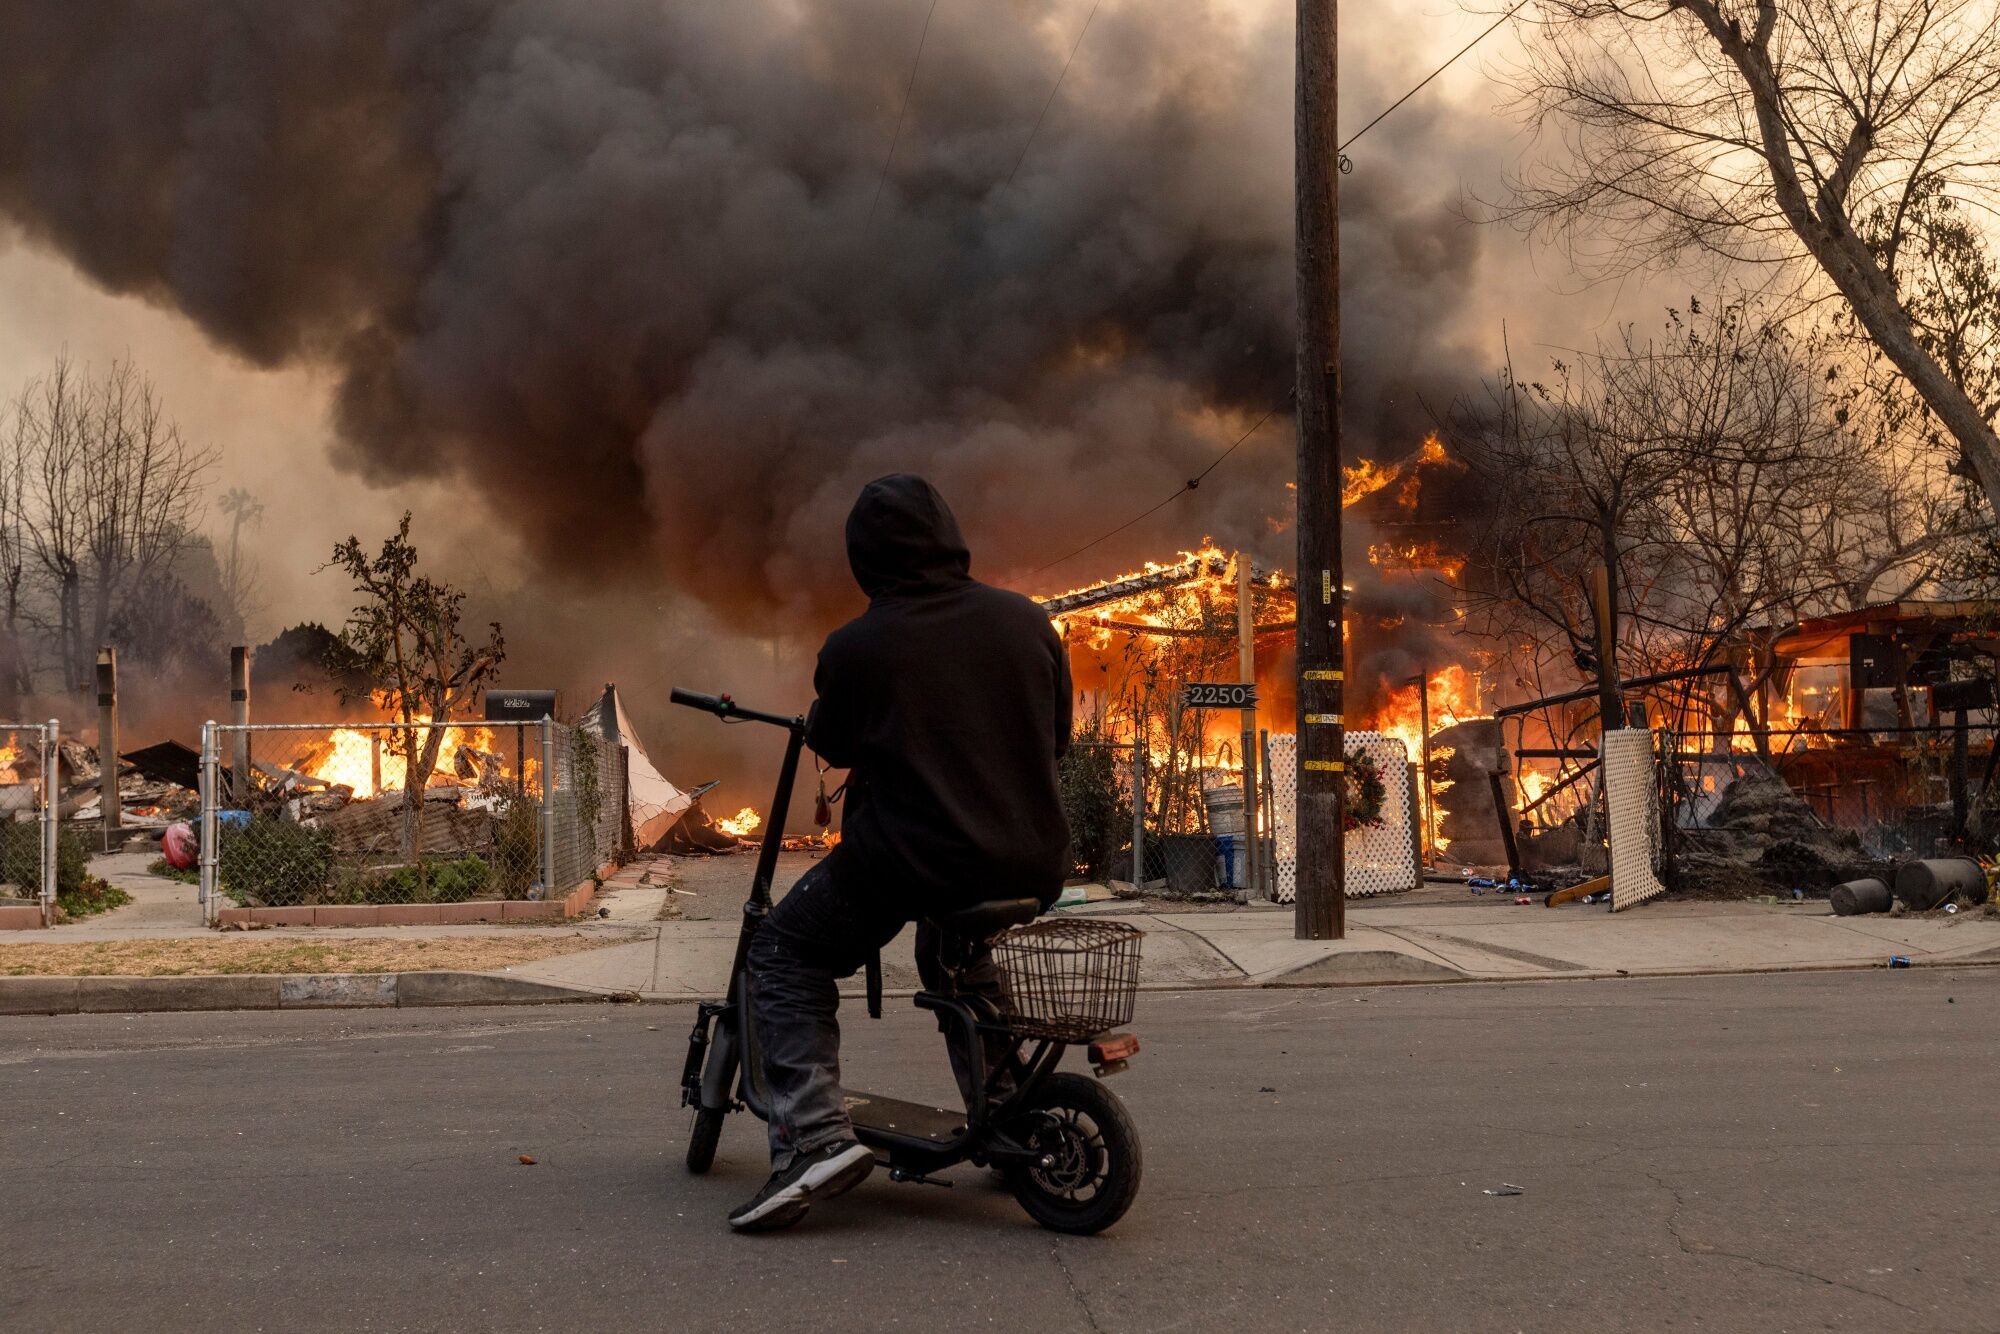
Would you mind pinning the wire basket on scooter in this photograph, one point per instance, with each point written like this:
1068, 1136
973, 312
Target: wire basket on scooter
1069, 980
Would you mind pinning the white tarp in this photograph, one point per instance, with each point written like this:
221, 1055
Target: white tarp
655, 803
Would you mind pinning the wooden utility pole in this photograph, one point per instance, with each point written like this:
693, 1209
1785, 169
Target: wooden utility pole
1322, 740
1246, 650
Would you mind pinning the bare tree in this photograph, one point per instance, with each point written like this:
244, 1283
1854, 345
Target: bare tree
1708, 470
114, 491
1848, 133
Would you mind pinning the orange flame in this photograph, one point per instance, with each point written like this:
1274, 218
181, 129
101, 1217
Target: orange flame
354, 756
1415, 556
742, 824
1454, 697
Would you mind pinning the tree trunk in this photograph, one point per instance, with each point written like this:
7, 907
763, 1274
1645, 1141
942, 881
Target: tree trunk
1610, 697
1823, 227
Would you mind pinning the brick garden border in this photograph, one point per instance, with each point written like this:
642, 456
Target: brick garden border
415, 914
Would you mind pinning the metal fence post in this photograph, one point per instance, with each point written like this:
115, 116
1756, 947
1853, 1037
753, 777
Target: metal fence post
1138, 815
549, 890
51, 811
209, 779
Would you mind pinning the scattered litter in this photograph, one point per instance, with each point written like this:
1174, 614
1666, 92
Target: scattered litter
1524, 899
1951, 907
1267, 1089
1899, 961
686, 893
527, 1161
1507, 1189
604, 912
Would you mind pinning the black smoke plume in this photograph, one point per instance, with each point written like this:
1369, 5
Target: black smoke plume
634, 268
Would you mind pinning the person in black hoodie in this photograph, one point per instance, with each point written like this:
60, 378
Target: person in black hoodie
948, 702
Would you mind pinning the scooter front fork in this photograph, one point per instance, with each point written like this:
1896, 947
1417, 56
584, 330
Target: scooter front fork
698, 1043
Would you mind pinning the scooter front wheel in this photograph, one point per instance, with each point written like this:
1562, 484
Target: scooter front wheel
1086, 1173
704, 1133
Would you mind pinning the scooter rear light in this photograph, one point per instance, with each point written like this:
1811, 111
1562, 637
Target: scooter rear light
1109, 1054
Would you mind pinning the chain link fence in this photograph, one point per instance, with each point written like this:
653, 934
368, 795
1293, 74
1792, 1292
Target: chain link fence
30, 781
1818, 809
298, 815
1188, 831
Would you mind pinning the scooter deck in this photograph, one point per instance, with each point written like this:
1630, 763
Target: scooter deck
905, 1120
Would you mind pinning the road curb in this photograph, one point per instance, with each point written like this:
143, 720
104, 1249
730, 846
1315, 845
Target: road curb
352, 991
271, 991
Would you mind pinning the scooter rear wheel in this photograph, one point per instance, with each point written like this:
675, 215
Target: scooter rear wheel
704, 1133
1090, 1165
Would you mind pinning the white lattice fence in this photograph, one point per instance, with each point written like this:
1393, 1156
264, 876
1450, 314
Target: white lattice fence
1632, 815
1381, 859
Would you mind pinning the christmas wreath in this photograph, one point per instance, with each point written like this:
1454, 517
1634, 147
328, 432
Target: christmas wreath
1365, 792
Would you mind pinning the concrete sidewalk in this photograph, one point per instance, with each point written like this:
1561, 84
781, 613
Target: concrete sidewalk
676, 920
1431, 937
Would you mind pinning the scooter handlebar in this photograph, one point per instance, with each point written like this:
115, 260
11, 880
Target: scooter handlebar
722, 706
719, 705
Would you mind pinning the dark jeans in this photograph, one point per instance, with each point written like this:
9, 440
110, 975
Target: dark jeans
827, 928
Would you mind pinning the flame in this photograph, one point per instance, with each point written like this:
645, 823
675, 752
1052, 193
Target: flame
1454, 698
1364, 479
10, 759
742, 824
824, 840
1415, 556
1367, 477
349, 757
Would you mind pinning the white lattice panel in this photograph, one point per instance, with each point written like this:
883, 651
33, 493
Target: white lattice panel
1381, 859
1632, 814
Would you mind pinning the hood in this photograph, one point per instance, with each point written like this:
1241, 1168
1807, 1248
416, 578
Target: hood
903, 538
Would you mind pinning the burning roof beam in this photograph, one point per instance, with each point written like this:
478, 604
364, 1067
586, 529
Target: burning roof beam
1165, 576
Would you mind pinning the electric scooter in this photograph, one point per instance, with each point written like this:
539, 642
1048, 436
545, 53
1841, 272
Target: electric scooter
1064, 1143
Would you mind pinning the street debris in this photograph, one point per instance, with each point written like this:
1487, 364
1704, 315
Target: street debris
1507, 1189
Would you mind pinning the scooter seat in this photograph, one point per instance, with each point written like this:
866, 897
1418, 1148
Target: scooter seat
983, 919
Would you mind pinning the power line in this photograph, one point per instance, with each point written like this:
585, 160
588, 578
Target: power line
1185, 487
1519, 5
1074, 48
895, 138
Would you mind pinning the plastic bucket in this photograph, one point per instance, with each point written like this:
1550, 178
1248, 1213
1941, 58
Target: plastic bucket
1225, 808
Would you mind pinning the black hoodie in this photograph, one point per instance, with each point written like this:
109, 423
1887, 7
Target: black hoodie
949, 702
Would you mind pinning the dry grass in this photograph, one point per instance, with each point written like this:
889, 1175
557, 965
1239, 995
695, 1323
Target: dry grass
253, 952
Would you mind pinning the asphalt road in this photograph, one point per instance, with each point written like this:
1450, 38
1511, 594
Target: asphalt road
1761, 1153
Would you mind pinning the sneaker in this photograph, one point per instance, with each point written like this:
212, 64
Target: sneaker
824, 1173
